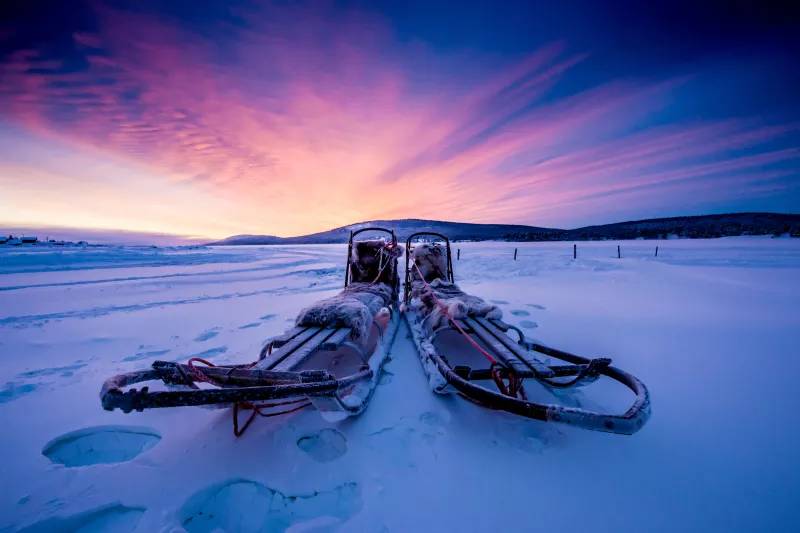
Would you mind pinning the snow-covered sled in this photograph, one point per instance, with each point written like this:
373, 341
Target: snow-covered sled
331, 359
464, 346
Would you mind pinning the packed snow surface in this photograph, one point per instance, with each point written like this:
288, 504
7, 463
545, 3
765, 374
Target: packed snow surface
711, 326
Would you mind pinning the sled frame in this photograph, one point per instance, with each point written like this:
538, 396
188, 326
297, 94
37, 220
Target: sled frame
520, 358
271, 377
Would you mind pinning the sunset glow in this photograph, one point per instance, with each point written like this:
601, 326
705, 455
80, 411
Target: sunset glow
289, 120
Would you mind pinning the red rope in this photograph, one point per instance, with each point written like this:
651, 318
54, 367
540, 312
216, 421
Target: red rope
198, 375
514, 386
387, 246
446, 312
256, 408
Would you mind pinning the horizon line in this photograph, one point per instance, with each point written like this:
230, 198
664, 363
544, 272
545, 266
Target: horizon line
6, 226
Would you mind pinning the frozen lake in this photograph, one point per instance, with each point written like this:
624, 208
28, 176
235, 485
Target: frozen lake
711, 326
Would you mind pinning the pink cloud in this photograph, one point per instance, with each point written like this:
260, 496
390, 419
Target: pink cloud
312, 119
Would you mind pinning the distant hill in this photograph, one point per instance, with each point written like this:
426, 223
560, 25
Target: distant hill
691, 227
696, 227
455, 230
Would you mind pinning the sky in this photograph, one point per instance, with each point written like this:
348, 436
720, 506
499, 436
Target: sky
210, 119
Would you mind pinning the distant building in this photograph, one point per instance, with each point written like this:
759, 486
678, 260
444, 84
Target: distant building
28, 240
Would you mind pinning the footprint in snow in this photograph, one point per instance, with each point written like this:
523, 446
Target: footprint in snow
520, 312
259, 322
112, 517
12, 391
144, 355
248, 506
529, 324
324, 446
63, 371
100, 445
432, 419
537, 306
532, 439
499, 302
207, 354
433, 426
207, 335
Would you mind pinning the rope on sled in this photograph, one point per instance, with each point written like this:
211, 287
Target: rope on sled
514, 387
257, 409
388, 255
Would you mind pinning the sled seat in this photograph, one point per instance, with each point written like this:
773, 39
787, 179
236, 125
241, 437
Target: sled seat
507, 352
300, 342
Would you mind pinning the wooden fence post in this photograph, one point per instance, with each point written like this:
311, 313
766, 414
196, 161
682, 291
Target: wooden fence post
515, 254
574, 251
656, 251
458, 254
619, 253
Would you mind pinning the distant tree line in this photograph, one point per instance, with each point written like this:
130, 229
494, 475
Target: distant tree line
704, 227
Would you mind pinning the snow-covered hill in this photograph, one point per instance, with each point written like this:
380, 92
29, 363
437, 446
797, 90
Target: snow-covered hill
705, 226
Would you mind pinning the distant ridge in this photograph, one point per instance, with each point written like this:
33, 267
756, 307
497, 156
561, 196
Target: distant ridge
690, 227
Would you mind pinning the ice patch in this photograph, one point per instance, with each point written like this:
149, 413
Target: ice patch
113, 517
248, 506
324, 446
529, 324
100, 445
520, 312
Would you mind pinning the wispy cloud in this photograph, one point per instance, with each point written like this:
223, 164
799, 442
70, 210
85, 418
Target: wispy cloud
305, 119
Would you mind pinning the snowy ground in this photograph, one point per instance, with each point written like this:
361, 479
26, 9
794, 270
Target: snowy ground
712, 327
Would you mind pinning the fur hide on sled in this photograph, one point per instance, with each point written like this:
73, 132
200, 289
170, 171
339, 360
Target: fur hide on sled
431, 260
373, 270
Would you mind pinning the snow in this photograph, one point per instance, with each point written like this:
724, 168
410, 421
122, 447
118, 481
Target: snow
711, 326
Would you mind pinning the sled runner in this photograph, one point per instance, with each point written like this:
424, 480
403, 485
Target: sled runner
331, 359
464, 346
